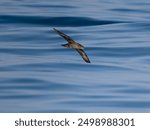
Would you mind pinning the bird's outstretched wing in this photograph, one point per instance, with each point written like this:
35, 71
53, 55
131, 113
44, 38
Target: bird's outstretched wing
83, 54
66, 37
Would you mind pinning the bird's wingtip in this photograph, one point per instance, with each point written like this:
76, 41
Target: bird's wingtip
55, 30
88, 62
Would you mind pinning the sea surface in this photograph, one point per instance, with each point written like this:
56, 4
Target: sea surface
37, 74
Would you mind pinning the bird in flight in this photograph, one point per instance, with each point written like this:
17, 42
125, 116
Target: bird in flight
72, 44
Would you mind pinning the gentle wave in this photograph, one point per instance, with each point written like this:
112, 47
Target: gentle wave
54, 21
38, 75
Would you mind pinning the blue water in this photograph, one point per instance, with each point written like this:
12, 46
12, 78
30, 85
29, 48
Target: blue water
37, 74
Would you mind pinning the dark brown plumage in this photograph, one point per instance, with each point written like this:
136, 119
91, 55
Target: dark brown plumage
72, 44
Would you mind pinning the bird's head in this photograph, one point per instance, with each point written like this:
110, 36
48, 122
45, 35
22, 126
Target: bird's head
65, 45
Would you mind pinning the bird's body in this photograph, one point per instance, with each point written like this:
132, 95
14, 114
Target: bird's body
72, 44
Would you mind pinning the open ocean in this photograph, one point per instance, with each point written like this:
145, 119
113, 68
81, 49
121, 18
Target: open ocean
37, 74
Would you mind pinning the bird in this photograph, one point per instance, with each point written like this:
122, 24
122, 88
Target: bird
72, 44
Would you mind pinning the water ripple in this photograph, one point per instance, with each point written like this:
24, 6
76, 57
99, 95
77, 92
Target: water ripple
37, 75
54, 21
121, 51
